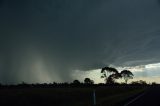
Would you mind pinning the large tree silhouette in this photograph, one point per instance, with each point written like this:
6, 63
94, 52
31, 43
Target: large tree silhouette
126, 75
110, 74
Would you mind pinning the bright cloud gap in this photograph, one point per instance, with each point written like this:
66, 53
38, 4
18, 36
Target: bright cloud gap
149, 73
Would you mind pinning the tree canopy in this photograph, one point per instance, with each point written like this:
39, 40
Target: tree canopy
126, 74
111, 74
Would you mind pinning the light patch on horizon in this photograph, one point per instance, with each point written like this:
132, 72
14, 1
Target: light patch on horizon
147, 79
149, 73
40, 69
42, 74
153, 65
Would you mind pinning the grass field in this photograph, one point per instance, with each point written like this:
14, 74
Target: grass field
66, 96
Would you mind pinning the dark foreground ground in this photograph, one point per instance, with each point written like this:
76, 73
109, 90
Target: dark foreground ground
66, 96
149, 98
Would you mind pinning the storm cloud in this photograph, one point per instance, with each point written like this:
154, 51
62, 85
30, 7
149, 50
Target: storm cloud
46, 40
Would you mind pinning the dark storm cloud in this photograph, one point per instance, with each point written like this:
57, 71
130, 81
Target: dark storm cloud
59, 36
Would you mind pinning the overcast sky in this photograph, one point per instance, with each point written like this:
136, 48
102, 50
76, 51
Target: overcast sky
48, 40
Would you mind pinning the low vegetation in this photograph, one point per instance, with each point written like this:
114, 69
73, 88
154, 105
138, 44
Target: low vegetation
65, 96
76, 93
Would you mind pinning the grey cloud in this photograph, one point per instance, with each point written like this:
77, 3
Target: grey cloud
75, 35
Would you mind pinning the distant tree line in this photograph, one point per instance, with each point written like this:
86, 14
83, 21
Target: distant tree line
109, 74
75, 83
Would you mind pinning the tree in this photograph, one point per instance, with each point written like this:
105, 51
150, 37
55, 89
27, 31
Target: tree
153, 83
110, 74
106, 71
111, 79
88, 81
126, 75
140, 82
76, 82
